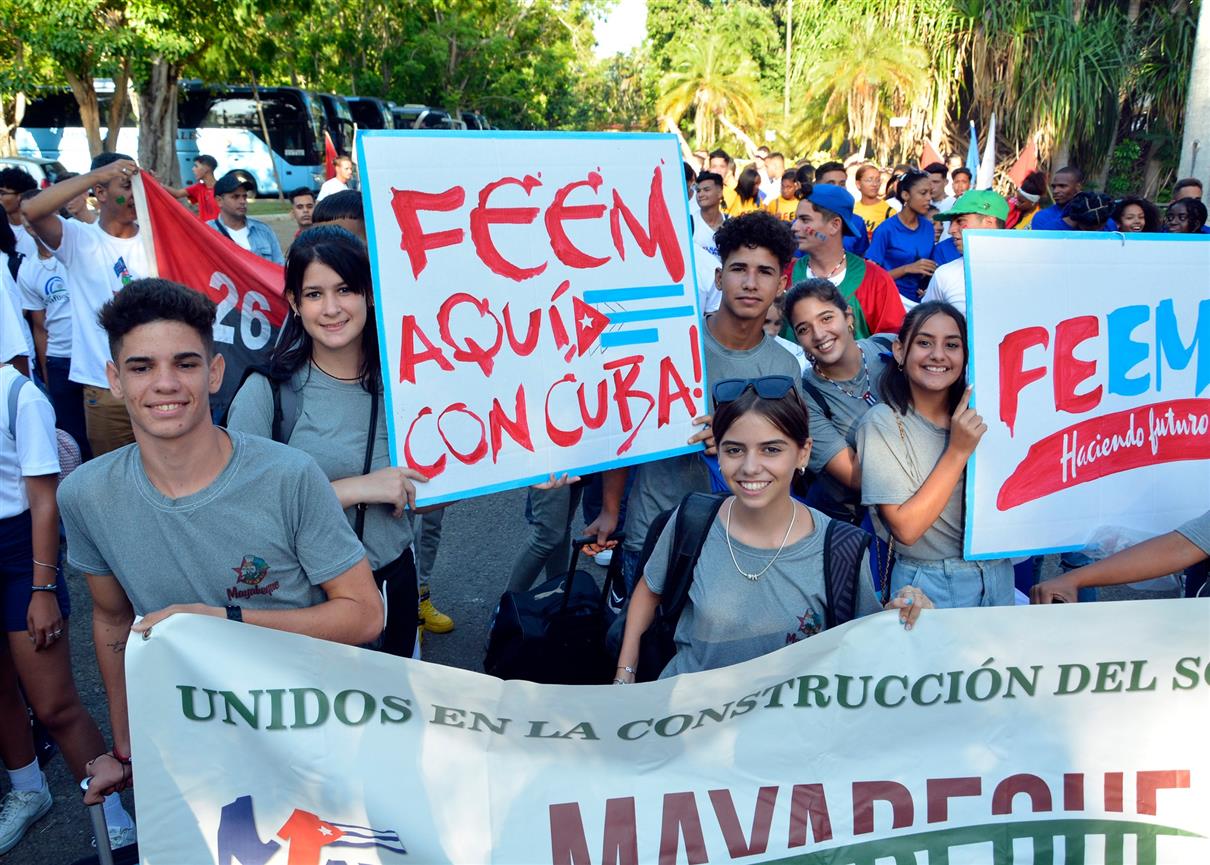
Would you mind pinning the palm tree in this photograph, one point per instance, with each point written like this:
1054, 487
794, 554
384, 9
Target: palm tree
713, 79
869, 72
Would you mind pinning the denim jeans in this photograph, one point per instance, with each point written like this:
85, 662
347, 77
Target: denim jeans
956, 582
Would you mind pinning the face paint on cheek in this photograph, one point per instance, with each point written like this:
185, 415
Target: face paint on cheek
121, 199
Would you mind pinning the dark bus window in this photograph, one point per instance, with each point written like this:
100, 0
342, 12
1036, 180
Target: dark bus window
60, 110
368, 115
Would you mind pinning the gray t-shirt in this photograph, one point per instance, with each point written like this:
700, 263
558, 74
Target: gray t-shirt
845, 400
265, 534
332, 424
893, 467
1197, 530
729, 618
660, 486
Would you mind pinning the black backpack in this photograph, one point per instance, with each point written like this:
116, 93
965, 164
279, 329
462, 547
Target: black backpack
844, 545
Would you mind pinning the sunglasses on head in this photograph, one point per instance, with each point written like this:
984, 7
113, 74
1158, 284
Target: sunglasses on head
766, 387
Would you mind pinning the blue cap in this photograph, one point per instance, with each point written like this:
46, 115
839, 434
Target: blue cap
838, 200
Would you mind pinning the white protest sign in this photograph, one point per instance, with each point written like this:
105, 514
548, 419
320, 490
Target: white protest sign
536, 303
1090, 361
983, 731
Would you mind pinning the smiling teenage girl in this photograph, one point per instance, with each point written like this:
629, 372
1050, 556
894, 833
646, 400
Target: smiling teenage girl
758, 583
841, 383
329, 354
914, 448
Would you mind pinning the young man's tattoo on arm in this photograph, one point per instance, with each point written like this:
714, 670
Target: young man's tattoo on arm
118, 646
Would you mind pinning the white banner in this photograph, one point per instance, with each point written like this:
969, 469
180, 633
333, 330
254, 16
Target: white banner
1090, 360
980, 733
536, 301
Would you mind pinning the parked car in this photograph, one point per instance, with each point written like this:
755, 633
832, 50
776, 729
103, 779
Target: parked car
44, 171
423, 117
475, 120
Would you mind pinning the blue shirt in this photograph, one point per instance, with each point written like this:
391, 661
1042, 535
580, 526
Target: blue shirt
261, 239
1050, 219
946, 251
895, 245
856, 245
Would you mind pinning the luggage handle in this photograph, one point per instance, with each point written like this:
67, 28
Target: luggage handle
615, 566
99, 830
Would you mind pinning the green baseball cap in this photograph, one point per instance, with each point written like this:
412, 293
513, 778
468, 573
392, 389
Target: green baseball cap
981, 201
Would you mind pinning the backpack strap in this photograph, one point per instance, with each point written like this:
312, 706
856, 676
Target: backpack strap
287, 406
14, 396
843, 547
814, 393
694, 518
287, 401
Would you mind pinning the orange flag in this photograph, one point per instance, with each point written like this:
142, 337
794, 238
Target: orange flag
1027, 161
930, 155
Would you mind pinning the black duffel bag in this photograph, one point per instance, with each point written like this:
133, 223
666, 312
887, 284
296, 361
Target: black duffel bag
554, 633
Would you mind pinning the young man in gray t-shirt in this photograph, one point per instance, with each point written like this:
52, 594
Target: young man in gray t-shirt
755, 250
190, 519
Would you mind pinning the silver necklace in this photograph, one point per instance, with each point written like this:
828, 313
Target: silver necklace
864, 390
786, 537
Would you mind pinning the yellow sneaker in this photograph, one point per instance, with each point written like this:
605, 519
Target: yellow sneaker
431, 619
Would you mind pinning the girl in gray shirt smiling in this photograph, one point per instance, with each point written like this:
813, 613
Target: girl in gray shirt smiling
758, 583
914, 448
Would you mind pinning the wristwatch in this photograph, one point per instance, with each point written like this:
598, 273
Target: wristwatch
234, 613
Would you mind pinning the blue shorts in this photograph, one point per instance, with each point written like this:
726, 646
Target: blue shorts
17, 573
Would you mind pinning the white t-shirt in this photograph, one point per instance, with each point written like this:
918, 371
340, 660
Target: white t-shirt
794, 349
239, 235
101, 265
26, 245
12, 299
36, 449
706, 261
42, 284
948, 283
12, 340
330, 186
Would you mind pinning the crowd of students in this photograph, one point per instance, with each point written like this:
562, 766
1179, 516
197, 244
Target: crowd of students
834, 337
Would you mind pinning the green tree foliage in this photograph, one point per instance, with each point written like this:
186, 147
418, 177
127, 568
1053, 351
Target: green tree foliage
518, 61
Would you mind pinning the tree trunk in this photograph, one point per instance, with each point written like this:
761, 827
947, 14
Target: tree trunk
118, 107
1195, 148
157, 121
90, 111
12, 111
1061, 156
10, 122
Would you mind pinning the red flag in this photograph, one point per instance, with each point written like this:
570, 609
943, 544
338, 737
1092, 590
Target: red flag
248, 290
329, 157
1027, 161
930, 155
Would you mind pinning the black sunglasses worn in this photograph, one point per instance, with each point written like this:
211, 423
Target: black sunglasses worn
766, 387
